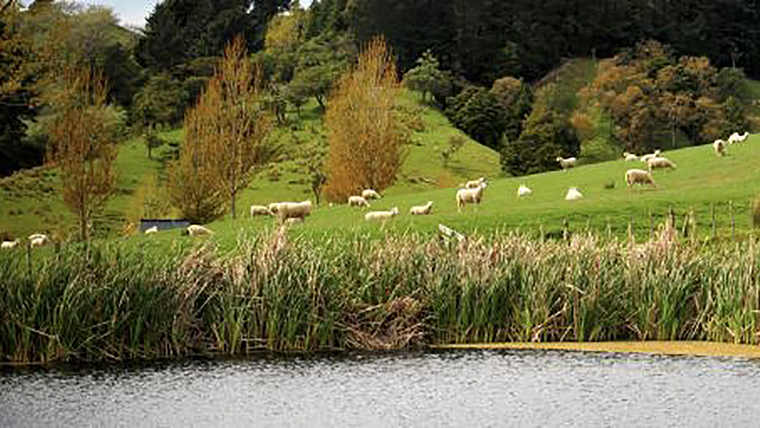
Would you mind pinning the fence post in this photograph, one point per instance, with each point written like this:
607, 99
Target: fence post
733, 221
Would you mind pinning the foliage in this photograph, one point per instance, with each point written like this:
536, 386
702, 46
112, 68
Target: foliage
320, 62
162, 101
152, 141
478, 113
516, 97
456, 142
428, 78
366, 136
82, 146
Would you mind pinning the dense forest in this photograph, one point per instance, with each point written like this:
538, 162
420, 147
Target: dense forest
667, 70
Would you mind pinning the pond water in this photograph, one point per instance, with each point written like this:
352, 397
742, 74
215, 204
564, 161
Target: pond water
433, 388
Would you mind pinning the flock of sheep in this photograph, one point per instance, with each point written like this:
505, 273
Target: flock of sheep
35, 240
720, 147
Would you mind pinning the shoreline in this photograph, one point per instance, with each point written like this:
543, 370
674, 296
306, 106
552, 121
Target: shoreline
692, 348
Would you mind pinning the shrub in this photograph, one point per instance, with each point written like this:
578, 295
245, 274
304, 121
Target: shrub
478, 113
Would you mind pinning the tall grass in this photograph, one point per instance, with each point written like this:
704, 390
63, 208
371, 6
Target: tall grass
116, 302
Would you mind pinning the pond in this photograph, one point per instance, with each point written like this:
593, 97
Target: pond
431, 388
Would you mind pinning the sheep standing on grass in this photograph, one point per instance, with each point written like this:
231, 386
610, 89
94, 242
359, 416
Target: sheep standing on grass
260, 210
470, 196
381, 215
736, 138
151, 230
474, 184
422, 209
566, 163
638, 176
197, 230
719, 146
9, 245
370, 194
523, 190
357, 201
630, 157
286, 210
573, 194
660, 163
646, 158
38, 240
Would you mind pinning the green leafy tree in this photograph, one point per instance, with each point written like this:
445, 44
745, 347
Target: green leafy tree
517, 99
478, 113
428, 78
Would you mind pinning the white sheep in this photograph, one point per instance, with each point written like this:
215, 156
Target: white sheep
260, 210
197, 230
286, 210
370, 194
471, 196
719, 147
736, 138
9, 245
566, 163
422, 209
34, 236
474, 184
523, 190
294, 220
638, 176
660, 163
646, 158
573, 194
151, 230
630, 157
381, 215
39, 240
357, 201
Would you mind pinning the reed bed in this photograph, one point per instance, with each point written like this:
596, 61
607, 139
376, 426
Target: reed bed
274, 292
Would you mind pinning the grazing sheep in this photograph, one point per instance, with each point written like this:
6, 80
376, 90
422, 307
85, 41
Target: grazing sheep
719, 146
736, 138
260, 210
39, 240
9, 245
370, 194
286, 210
638, 176
660, 163
150, 230
422, 209
472, 196
381, 215
523, 190
566, 163
573, 194
646, 158
197, 230
630, 157
474, 184
357, 201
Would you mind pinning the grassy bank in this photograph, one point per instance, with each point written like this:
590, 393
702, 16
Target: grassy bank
279, 293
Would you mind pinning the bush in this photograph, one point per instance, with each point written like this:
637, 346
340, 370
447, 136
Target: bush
478, 113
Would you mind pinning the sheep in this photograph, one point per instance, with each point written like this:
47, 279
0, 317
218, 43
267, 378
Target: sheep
474, 184
197, 230
34, 236
646, 158
422, 209
658, 162
719, 146
260, 210
630, 157
274, 205
523, 190
294, 220
573, 194
286, 210
472, 196
566, 163
736, 138
370, 194
151, 230
9, 245
638, 176
39, 240
381, 215
357, 201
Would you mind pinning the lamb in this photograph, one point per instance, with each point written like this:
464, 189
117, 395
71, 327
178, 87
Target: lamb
472, 196
630, 157
646, 158
39, 240
523, 190
370, 194
658, 162
287, 210
736, 138
381, 215
151, 230
566, 163
638, 176
197, 230
474, 184
573, 194
719, 146
9, 245
357, 201
422, 209
260, 210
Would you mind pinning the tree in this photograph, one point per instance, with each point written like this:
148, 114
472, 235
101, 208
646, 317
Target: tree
427, 77
477, 112
152, 141
365, 134
517, 99
81, 145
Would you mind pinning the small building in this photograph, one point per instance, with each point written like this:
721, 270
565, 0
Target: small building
162, 223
